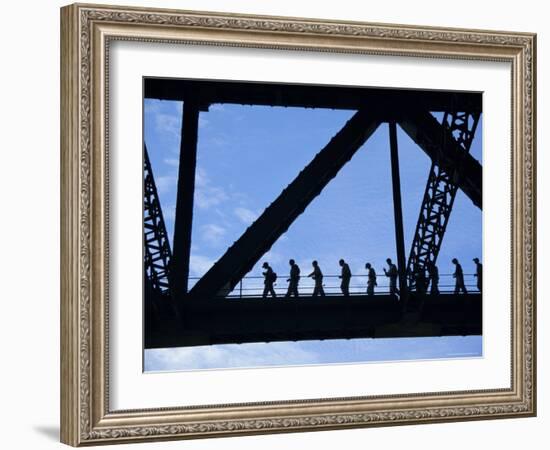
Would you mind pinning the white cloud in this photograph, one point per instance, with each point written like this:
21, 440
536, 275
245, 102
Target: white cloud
313, 352
203, 122
172, 162
229, 355
212, 234
199, 265
216, 107
168, 124
169, 213
272, 258
166, 183
151, 106
201, 178
208, 196
177, 106
220, 214
245, 215
217, 141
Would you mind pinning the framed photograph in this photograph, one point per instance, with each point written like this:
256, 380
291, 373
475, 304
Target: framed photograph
277, 224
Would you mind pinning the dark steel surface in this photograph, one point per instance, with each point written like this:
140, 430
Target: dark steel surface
185, 197
441, 188
310, 96
225, 321
444, 150
156, 246
397, 212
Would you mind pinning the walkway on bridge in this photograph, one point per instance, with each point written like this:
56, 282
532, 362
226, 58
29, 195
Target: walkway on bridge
254, 319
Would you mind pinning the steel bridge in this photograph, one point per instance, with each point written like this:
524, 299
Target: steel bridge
177, 314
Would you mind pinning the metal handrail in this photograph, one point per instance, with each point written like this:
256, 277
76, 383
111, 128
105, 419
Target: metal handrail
306, 290
251, 277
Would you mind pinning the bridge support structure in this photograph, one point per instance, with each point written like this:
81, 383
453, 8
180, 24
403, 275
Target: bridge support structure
453, 168
398, 213
458, 130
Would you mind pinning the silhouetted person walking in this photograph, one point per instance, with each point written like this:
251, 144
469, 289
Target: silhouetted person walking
459, 278
420, 280
371, 280
293, 280
317, 275
433, 273
479, 273
269, 280
392, 273
345, 277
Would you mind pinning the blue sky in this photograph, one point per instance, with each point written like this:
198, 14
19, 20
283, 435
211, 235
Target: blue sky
246, 156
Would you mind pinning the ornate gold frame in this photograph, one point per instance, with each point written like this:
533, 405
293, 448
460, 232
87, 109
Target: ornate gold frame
86, 31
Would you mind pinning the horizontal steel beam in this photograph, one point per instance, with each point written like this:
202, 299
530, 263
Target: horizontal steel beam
309, 96
224, 321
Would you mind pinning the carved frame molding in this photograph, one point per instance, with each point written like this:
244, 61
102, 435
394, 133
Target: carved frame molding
86, 31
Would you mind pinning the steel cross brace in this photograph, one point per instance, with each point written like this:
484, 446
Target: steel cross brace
440, 194
155, 239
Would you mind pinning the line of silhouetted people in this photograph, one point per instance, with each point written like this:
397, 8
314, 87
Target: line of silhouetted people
421, 278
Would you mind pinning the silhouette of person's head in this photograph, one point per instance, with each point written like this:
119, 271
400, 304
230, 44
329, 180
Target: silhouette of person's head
388, 260
367, 266
341, 262
291, 262
476, 260
265, 265
455, 261
314, 263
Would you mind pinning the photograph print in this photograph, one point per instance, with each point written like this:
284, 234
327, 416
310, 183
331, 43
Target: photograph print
298, 224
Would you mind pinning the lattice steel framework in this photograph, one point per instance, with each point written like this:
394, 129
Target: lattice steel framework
439, 195
157, 253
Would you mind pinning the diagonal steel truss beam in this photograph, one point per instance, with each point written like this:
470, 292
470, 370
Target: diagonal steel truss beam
156, 246
446, 151
239, 259
458, 130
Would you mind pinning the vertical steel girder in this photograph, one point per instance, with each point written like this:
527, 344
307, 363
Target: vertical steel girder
156, 246
439, 195
398, 212
241, 257
185, 197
